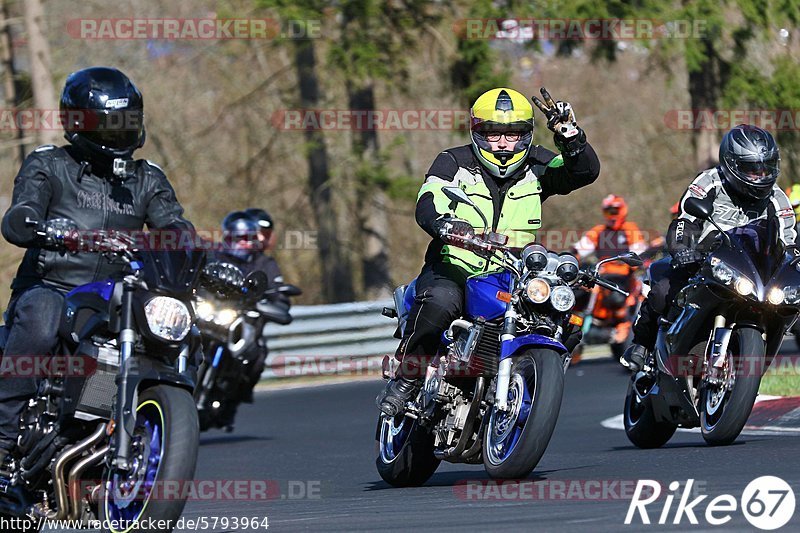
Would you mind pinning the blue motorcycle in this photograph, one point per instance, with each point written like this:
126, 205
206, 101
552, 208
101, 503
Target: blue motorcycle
493, 392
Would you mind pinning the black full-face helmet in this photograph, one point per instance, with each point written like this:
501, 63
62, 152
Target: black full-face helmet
750, 161
102, 112
241, 235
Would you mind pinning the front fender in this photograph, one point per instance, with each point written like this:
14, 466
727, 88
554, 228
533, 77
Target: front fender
512, 347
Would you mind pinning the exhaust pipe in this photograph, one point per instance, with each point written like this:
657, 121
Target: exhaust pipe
62, 502
74, 474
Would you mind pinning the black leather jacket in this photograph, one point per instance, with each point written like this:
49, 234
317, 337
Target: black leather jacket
55, 183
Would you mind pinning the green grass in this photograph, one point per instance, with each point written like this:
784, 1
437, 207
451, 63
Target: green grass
780, 385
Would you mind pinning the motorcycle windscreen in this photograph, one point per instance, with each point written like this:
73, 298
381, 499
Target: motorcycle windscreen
174, 271
481, 295
760, 242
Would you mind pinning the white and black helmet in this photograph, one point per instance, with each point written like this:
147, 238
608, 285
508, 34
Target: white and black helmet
750, 161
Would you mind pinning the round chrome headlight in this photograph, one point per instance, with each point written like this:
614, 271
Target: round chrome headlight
537, 290
168, 318
562, 298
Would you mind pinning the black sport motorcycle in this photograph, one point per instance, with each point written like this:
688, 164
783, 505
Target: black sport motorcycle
235, 349
99, 444
718, 338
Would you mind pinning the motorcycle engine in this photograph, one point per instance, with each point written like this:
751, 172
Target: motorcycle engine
38, 419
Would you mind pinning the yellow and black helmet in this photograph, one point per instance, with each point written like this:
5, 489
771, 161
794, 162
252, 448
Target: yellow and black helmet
501, 110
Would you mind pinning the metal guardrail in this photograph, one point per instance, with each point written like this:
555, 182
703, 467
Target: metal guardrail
326, 339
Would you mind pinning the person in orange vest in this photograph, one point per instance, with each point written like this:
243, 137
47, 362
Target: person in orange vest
618, 235
608, 313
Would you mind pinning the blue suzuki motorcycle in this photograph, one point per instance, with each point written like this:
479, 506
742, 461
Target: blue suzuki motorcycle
493, 392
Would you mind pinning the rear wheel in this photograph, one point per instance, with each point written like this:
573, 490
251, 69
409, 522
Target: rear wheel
404, 451
516, 439
725, 407
641, 426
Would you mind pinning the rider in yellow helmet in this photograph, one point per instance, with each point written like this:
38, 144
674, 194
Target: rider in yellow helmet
507, 177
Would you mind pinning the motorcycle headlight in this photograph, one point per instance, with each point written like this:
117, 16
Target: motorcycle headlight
721, 271
168, 318
776, 296
562, 298
791, 294
537, 290
727, 275
226, 316
744, 286
203, 309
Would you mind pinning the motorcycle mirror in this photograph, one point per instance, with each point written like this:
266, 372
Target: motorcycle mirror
256, 282
290, 290
702, 209
22, 221
631, 259
457, 195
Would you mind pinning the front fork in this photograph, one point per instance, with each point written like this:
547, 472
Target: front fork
504, 368
125, 411
717, 350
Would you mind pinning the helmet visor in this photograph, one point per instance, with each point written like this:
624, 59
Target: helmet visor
118, 130
611, 211
759, 172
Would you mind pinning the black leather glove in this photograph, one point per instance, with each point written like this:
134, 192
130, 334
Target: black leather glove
60, 234
450, 229
568, 137
684, 258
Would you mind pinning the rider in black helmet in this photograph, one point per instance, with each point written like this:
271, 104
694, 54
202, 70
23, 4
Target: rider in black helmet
743, 188
91, 184
249, 237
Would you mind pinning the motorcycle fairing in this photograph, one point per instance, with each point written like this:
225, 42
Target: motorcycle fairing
481, 295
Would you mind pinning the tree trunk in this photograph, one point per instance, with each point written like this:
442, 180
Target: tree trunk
337, 274
371, 200
10, 74
41, 80
704, 91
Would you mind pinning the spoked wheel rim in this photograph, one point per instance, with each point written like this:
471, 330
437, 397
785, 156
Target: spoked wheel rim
128, 493
505, 427
395, 431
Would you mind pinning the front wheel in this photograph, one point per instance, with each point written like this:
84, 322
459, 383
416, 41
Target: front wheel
516, 439
164, 450
404, 451
725, 407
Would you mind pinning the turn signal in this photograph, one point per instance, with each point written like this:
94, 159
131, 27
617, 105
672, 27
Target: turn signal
504, 296
576, 320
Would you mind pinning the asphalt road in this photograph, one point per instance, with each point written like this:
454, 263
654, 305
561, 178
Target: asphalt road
316, 447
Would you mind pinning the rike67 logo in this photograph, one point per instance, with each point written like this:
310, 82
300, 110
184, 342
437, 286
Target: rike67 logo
767, 503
